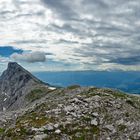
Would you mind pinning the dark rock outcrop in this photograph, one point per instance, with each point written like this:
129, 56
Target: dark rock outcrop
15, 83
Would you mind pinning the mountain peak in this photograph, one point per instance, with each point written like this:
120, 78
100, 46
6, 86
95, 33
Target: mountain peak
15, 82
13, 64
15, 72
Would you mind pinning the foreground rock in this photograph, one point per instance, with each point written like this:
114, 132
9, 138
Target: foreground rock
77, 114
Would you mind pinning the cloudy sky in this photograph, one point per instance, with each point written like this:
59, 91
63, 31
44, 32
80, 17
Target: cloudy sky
45, 35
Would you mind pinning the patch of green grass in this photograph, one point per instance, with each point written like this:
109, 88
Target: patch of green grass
35, 94
130, 102
17, 133
97, 91
32, 119
84, 131
23, 131
86, 119
95, 130
119, 95
2, 130
24, 123
121, 127
41, 108
73, 87
10, 132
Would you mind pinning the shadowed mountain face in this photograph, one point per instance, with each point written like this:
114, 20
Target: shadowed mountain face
15, 82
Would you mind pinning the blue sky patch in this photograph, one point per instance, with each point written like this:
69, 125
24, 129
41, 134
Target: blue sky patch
6, 51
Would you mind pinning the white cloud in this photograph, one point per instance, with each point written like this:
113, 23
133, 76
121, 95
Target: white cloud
31, 57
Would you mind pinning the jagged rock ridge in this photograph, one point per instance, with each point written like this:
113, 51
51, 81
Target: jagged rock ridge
15, 82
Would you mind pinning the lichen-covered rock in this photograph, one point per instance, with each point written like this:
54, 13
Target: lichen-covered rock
94, 122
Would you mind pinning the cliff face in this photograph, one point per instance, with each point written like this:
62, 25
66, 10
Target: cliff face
15, 83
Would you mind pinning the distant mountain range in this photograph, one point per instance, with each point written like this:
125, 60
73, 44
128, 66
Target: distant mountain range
128, 81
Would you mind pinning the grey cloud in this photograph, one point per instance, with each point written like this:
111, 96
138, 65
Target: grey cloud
30, 57
29, 41
5, 12
30, 14
66, 42
65, 28
109, 53
95, 3
61, 7
132, 60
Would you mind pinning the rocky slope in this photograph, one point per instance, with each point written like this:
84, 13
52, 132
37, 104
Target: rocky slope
73, 113
15, 82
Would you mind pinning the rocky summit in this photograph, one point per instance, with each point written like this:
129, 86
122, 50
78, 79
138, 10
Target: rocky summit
33, 110
15, 82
